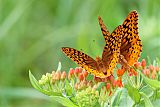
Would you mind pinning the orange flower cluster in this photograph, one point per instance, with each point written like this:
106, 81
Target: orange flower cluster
81, 81
56, 76
150, 71
131, 71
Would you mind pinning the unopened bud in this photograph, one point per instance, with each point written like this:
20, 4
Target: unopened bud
108, 86
58, 75
151, 67
63, 75
85, 73
114, 83
137, 65
110, 93
81, 77
143, 63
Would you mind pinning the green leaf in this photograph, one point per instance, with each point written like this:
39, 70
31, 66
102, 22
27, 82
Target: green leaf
34, 82
146, 100
59, 66
133, 93
36, 85
69, 90
153, 83
64, 101
158, 94
117, 99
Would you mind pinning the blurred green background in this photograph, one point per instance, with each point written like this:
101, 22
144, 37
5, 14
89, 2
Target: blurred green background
32, 33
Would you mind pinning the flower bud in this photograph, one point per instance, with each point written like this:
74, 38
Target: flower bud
143, 63
41, 82
151, 67
146, 72
108, 86
53, 78
119, 82
71, 71
114, 83
81, 77
85, 73
69, 76
137, 65
111, 78
63, 75
58, 75
153, 76
80, 69
157, 68
120, 72
77, 71
132, 72
110, 93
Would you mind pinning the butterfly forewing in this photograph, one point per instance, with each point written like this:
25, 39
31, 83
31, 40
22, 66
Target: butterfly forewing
83, 60
104, 30
131, 44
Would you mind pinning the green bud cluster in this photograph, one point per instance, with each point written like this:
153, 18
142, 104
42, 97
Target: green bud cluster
45, 79
87, 98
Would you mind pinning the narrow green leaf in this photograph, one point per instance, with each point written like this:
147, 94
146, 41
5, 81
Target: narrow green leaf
34, 82
64, 101
149, 60
152, 83
158, 94
146, 100
133, 93
117, 98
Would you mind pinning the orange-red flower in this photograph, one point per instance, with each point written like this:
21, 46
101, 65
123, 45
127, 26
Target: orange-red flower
108, 86
81, 77
85, 73
119, 82
143, 63
120, 72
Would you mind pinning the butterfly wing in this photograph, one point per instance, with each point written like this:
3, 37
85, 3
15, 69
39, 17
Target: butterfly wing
111, 50
131, 44
104, 30
83, 60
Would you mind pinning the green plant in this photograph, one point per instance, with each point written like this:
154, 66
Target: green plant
140, 86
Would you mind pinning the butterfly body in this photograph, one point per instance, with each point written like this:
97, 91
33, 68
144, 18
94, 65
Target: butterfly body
101, 66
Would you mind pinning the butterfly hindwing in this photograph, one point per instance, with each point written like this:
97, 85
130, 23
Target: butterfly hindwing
131, 44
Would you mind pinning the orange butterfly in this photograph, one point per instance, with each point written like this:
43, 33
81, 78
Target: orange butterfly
131, 45
101, 67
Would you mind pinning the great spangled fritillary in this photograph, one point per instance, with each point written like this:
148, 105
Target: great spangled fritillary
101, 67
131, 45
